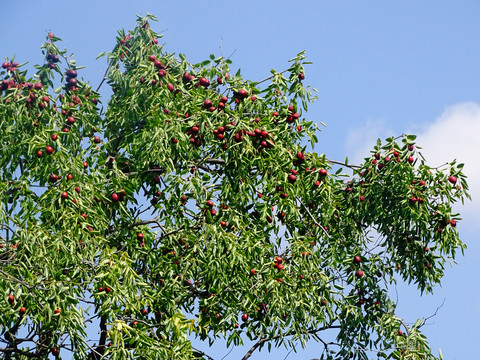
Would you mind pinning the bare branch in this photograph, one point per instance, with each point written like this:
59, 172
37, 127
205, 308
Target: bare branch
313, 219
290, 333
433, 315
104, 77
202, 353
227, 353
344, 164
270, 77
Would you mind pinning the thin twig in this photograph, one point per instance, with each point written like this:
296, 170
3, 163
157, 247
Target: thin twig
344, 164
104, 77
288, 354
202, 353
227, 353
234, 51
271, 77
434, 314
314, 220
265, 339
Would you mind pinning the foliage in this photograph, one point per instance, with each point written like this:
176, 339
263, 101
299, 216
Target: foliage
188, 205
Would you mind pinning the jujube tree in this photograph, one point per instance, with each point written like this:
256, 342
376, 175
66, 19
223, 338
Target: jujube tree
188, 205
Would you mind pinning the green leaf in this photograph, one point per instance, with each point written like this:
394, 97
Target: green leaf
160, 249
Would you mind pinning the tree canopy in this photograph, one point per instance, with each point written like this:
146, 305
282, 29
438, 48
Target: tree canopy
188, 205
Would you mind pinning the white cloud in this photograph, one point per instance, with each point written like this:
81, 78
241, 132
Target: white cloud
453, 135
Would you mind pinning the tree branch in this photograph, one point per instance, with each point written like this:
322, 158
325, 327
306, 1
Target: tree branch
344, 164
290, 333
11, 339
19, 351
434, 314
202, 353
104, 77
313, 219
98, 352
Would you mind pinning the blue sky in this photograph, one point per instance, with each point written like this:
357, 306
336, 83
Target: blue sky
381, 68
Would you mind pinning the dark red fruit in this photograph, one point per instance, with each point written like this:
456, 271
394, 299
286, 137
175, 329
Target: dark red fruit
71, 73
452, 179
242, 94
204, 82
